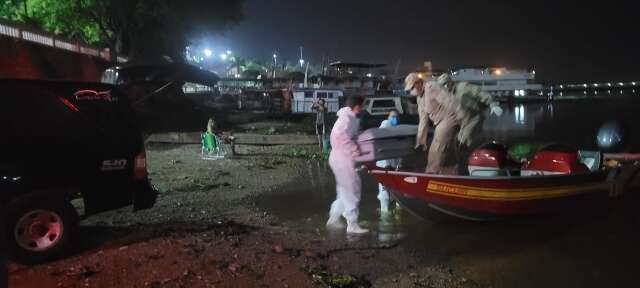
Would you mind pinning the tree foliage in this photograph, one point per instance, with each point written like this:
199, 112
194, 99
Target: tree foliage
56, 16
134, 28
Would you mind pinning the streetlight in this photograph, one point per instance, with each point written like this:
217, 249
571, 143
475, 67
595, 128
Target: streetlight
228, 52
301, 59
207, 52
275, 64
223, 56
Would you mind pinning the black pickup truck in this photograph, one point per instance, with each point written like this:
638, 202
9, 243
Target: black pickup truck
61, 141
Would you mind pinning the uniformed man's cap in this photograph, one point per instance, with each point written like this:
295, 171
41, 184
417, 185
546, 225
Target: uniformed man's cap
411, 80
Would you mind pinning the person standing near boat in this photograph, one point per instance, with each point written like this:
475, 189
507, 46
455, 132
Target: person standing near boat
383, 194
342, 162
455, 109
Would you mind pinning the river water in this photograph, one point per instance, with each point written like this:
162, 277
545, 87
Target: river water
574, 122
592, 248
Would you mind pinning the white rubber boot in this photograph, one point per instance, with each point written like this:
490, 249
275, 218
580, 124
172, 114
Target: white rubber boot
383, 196
335, 223
354, 228
384, 207
335, 215
352, 223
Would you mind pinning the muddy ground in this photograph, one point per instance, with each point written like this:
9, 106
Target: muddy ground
205, 231
257, 220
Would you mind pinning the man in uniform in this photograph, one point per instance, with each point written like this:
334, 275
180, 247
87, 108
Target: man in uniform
455, 109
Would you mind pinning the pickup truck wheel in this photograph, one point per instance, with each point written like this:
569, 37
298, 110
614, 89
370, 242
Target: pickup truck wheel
40, 228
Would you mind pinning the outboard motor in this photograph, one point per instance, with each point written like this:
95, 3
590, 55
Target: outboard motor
552, 160
488, 160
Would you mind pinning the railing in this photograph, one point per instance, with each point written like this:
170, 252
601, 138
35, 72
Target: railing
9, 31
15, 30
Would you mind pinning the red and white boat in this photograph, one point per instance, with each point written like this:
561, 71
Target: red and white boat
556, 178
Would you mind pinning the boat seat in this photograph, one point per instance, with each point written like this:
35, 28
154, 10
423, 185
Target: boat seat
488, 160
592, 159
555, 159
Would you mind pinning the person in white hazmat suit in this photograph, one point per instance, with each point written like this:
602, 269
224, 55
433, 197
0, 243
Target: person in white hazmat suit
341, 160
383, 194
455, 109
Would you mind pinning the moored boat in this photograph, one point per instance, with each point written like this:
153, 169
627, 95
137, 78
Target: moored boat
557, 178
481, 198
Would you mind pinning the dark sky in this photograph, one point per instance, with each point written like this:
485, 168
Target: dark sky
563, 40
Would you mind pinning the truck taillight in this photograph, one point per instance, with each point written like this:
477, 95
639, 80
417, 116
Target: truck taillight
140, 166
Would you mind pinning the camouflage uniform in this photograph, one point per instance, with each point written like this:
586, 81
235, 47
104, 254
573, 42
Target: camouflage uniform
470, 101
456, 111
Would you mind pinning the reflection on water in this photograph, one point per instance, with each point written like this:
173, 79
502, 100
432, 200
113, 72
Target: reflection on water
574, 123
520, 112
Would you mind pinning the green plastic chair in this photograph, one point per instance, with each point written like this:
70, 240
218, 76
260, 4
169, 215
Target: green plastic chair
211, 149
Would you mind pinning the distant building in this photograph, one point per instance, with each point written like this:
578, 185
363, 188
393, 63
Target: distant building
342, 69
500, 81
354, 78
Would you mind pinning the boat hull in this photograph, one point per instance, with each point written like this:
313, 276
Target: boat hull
482, 198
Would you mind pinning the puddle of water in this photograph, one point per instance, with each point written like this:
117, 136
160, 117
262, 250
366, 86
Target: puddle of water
593, 249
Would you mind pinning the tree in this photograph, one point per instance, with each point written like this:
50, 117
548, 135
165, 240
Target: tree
251, 74
151, 28
135, 28
55, 16
255, 65
253, 69
11, 10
